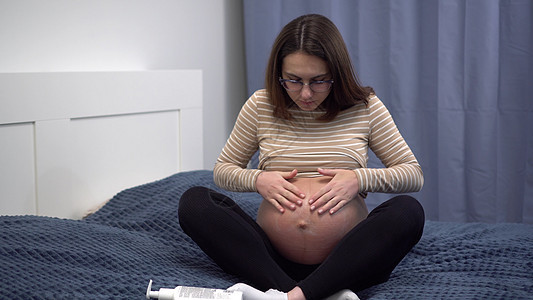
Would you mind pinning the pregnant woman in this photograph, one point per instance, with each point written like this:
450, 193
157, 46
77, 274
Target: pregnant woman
313, 126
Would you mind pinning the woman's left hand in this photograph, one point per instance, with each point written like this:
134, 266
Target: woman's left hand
342, 188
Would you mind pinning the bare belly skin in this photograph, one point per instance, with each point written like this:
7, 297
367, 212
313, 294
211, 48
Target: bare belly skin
304, 236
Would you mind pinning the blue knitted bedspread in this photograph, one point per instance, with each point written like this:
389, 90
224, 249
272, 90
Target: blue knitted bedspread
136, 237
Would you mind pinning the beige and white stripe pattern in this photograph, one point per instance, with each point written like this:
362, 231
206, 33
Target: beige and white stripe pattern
306, 144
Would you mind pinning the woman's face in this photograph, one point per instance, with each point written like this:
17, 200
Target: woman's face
305, 68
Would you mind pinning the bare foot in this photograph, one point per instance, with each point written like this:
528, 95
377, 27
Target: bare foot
296, 294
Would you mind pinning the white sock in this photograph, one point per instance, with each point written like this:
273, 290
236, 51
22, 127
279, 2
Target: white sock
250, 293
343, 295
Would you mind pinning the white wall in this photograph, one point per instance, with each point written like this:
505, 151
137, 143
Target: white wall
119, 35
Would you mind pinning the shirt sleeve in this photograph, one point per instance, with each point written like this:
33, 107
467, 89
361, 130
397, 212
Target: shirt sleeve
230, 170
402, 172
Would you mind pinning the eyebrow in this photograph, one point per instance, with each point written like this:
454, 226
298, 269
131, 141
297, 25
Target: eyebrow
294, 75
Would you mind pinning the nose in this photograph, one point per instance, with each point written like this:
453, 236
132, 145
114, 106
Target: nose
306, 92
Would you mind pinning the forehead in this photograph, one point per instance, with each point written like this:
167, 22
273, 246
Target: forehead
304, 65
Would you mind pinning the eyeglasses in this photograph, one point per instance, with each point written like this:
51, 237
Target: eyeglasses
319, 86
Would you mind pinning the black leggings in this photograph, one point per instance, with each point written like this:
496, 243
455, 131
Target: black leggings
365, 257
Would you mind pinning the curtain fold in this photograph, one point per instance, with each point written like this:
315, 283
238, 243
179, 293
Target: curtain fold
457, 76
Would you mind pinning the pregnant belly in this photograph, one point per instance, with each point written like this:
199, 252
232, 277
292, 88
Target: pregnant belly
304, 236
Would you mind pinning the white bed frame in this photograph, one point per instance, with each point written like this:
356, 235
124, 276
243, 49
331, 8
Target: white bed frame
69, 141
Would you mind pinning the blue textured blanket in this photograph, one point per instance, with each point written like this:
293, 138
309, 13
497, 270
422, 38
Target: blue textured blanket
136, 237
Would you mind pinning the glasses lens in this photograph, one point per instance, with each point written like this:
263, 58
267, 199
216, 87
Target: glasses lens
292, 85
316, 86
320, 86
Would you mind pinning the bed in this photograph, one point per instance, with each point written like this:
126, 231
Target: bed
71, 136
136, 237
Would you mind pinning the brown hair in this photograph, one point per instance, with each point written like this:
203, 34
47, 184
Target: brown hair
315, 35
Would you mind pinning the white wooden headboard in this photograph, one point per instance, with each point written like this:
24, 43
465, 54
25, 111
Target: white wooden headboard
69, 141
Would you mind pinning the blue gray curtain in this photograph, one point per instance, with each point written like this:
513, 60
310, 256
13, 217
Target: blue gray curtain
457, 76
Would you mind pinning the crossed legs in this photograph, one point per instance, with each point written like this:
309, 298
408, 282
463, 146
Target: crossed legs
364, 257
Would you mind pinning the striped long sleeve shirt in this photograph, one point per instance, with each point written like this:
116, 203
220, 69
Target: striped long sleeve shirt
305, 143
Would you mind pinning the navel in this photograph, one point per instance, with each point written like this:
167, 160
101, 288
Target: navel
302, 224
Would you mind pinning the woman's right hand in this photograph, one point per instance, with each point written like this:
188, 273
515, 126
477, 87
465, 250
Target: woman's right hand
276, 189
